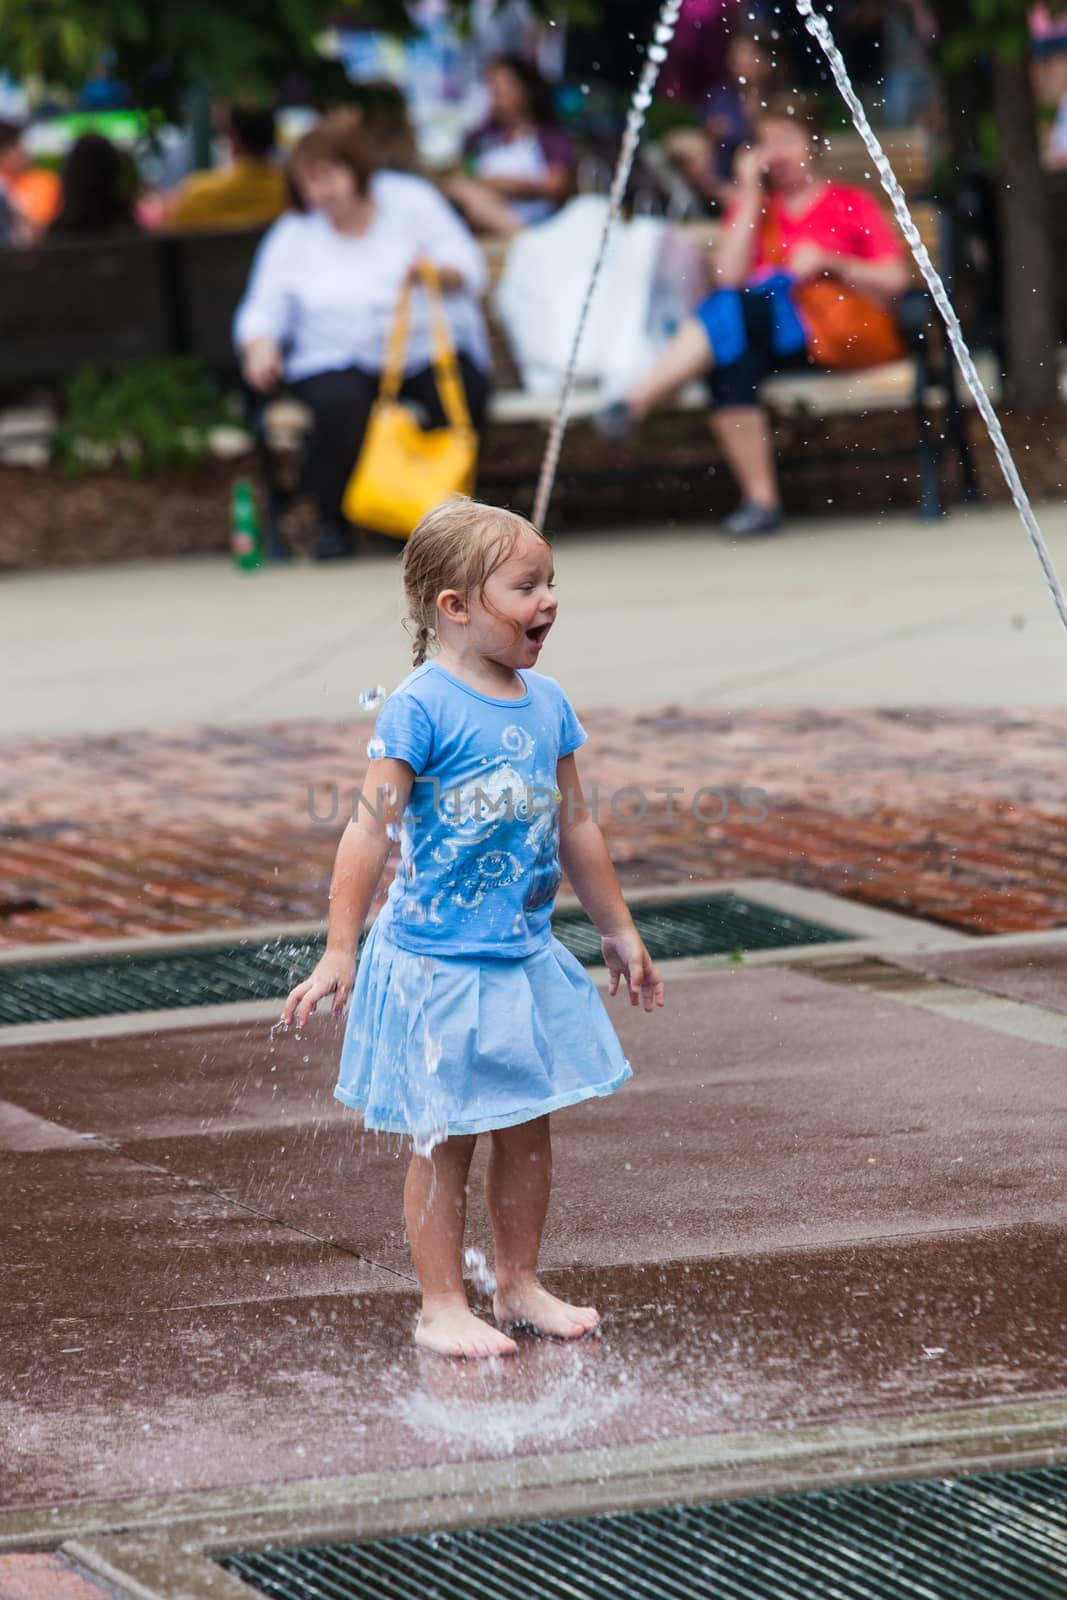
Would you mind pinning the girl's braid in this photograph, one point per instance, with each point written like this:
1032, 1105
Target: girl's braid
421, 645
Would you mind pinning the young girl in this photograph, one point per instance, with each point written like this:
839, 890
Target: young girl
468, 1016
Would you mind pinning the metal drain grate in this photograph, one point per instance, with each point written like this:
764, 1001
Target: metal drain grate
100, 986
107, 985
719, 924
989, 1537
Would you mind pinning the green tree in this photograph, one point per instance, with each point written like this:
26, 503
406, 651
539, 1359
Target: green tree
998, 29
161, 47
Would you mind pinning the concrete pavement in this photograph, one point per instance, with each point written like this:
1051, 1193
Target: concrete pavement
861, 612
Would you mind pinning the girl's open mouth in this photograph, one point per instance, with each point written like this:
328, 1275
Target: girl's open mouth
539, 634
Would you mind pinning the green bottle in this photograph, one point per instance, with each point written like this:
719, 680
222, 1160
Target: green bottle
245, 539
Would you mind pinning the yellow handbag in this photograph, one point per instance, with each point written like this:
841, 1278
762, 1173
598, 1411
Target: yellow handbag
403, 470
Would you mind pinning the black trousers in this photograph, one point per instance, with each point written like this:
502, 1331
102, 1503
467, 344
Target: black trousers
739, 382
340, 405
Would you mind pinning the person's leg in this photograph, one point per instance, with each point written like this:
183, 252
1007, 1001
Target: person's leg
483, 209
435, 1210
340, 405
421, 387
518, 1183
744, 437
740, 424
687, 356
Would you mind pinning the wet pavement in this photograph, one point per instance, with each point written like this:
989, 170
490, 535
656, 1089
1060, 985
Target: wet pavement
43, 1576
812, 1204
1035, 974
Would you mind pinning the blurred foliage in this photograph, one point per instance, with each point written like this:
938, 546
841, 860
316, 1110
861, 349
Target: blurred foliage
972, 28
153, 417
241, 49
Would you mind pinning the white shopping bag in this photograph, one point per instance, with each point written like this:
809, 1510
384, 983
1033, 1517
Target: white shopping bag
650, 278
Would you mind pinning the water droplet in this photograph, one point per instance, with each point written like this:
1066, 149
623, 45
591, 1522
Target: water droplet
370, 699
376, 749
478, 1270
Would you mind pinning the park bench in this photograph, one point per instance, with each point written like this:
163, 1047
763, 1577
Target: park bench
105, 303
924, 384
100, 302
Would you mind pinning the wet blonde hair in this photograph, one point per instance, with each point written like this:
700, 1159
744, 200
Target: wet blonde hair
457, 545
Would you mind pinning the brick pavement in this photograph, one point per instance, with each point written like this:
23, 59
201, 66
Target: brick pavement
45, 1577
953, 815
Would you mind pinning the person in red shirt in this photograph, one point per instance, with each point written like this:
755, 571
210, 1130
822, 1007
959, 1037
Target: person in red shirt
806, 271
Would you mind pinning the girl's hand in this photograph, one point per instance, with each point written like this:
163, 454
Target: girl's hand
333, 975
626, 957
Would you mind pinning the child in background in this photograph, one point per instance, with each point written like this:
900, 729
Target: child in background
468, 1016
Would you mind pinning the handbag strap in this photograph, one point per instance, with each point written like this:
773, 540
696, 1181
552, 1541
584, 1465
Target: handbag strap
445, 366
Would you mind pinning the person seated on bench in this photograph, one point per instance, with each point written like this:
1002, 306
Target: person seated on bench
248, 192
99, 190
521, 164
29, 195
806, 271
705, 155
321, 301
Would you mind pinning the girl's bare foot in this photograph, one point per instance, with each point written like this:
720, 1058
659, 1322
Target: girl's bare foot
528, 1305
453, 1330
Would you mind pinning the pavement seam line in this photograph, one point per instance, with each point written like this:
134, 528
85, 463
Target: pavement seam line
244, 1205
182, 1179
956, 1001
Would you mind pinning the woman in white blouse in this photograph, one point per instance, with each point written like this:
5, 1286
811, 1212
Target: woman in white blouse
322, 297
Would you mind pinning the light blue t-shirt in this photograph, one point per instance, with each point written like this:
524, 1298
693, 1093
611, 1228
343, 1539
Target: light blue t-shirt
479, 863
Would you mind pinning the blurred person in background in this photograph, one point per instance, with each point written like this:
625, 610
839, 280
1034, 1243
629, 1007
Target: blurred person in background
249, 191
387, 125
32, 192
705, 155
887, 47
99, 189
322, 297
789, 232
697, 53
14, 229
520, 163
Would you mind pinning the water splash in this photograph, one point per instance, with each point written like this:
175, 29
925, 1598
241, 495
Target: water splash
562, 1394
375, 749
819, 29
478, 1270
370, 699
655, 56
422, 1100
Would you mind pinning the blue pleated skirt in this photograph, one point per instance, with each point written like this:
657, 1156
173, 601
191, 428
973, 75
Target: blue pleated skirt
443, 1045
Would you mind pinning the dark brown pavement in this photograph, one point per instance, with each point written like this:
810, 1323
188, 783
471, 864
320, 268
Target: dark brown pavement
812, 1204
